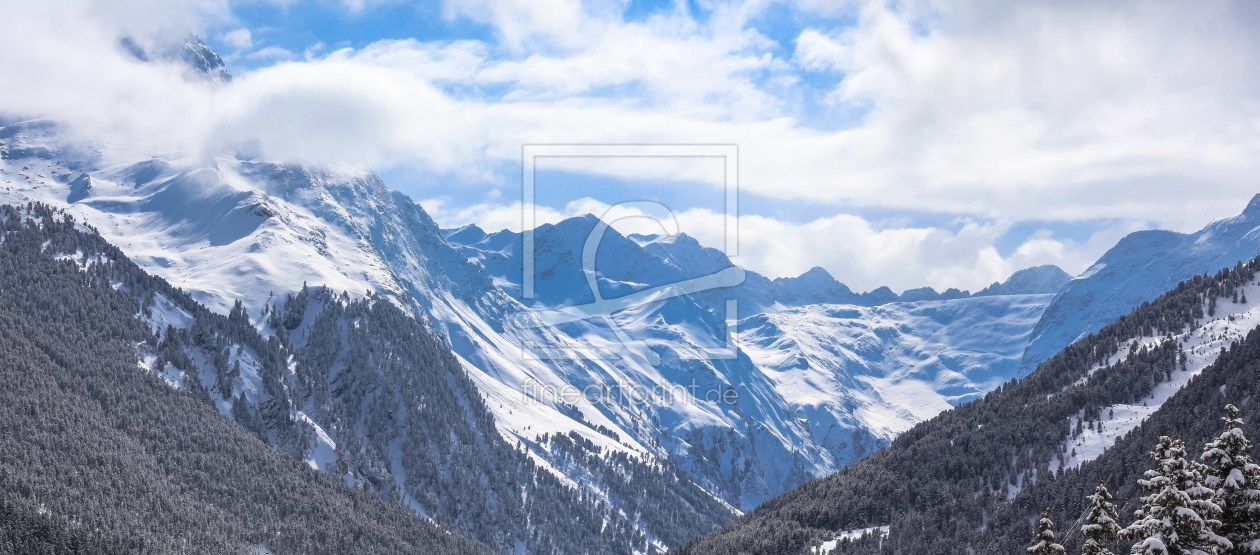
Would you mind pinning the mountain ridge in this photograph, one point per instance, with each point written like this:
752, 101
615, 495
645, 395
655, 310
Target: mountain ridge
944, 483
690, 258
234, 228
1137, 269
103, 442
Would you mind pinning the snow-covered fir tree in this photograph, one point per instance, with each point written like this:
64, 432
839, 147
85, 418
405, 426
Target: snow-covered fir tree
1229, 471
1179, 515
1044, 543
1102, 525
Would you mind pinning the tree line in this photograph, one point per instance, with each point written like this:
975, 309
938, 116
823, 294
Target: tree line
1210, 506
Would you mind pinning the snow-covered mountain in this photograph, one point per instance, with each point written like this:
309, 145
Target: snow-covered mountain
1139, 268
227, 228
201, 61
116, 390
836, 381
972, 479
760, 294
231, 229
823, 376
1038, 279
891, 365
331, 277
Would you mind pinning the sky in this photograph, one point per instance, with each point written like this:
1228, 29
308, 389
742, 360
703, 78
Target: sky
901, 143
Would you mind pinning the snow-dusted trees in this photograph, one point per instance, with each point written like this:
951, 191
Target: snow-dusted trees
1101, 526
1179, 515
1209, 508
1229, 472
1044, 543
102, 456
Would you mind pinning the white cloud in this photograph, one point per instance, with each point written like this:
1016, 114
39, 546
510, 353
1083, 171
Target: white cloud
983, 109
1024, 109
65, 62
816, 51
865, 255
996, 111
271, 53
240, 39
357, 6
536, 23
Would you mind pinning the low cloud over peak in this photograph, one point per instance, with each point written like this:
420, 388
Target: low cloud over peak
1008, 118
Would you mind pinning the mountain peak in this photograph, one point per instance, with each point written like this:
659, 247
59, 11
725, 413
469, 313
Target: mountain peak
815, 278
465, 235
817, 273
571, 226
681, 240
814, 286
203, 60
194, 53
1253, 207
919, 294
1030, 281
880, 295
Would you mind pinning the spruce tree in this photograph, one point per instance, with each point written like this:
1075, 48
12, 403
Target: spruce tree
1044, 543
1229, 472
1101, 526
1179, 516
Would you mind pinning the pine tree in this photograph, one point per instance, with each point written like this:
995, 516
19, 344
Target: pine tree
1228, 471
1044, 543
1101, 526
1179, 516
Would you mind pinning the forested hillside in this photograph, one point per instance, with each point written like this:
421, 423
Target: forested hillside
407, 422
357, 389
98, 455
976, 478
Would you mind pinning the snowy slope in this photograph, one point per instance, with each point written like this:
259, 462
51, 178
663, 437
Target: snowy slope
1139, 268
228, 228
1039, 279
970, 479
885, 368
846, 536
1202, 344
823, 384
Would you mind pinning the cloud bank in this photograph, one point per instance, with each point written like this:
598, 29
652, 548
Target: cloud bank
994, 112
